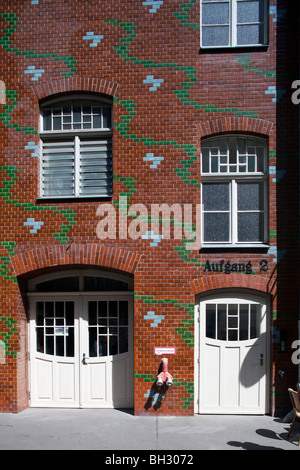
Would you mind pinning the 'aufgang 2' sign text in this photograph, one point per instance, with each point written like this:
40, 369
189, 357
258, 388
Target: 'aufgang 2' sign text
227, 267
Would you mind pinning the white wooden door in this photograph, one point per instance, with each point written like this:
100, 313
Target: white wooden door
54, 352
233, 356
107, 352
81, 351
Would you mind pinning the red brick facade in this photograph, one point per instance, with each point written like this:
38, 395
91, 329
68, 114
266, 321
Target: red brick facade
193, 94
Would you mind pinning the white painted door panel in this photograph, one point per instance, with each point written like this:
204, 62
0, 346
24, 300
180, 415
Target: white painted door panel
66, 330
232, 356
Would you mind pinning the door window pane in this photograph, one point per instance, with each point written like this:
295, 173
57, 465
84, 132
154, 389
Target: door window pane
232, 322
211, 321
255, 321
55, 328
108, 328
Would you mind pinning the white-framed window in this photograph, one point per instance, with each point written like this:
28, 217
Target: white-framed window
234, 192
76, 148
233, 23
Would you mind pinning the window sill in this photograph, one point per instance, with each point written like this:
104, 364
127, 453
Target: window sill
263, 47
63, 199
237, 247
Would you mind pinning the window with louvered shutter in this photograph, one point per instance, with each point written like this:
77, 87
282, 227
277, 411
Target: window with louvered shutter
76, 141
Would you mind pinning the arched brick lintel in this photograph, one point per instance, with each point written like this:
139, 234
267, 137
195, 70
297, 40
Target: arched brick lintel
232, 281
71, 84
235, 124
83, 254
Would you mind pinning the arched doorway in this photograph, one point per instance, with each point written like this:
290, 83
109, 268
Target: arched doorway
232, 358
81, 339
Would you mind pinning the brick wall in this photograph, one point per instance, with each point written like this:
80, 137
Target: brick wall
167, 95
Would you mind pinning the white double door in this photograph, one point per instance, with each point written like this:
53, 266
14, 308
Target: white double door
233, 355
81, 351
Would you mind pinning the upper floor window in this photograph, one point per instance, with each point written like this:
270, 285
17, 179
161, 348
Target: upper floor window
234, 192
233, 23
76, 140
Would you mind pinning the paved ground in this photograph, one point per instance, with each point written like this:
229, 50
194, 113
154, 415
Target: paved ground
106, 430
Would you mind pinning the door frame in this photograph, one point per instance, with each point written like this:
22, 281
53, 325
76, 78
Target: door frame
223, 294
77, 297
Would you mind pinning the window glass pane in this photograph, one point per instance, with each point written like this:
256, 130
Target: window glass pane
92, 313
93, 342
254, 321
106, 117
250, 11
102, 309
93, 283
40, 340
66, 109
244, 309
215, 13
48, 309
242, 146
250, 34
216, 227
113, 309
222, 321
76, 114
215, 36
56, 123
123, 340
211, 321
250, 227
47, 120
96, 121
59, 345
123, 312
40, 313
113, 345
86, 109
214, 164
70, 342
50, 344
102, 346
250, 196
64, 284
233, 310
59, 309
215, 196
232, 335
251, 163
260, 159
70, 313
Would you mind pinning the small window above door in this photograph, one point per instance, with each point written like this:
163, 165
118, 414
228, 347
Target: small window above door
81, 281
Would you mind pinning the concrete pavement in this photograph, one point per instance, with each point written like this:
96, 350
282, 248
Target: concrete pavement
106, 430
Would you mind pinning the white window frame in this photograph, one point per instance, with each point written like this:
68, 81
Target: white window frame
233, 26
74, 138
233, 179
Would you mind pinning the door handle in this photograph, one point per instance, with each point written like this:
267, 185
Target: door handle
261, 359
84, 358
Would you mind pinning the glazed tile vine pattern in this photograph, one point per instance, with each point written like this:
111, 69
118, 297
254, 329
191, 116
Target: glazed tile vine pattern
10, 328
6, 42
184, 330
